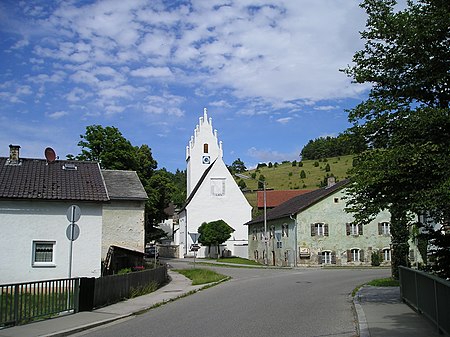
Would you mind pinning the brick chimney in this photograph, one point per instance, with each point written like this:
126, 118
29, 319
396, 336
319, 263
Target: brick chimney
14, 158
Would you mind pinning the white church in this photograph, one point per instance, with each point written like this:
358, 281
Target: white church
212, 194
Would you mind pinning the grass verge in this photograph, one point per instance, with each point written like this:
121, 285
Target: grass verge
238, 260
201, 276
381, 282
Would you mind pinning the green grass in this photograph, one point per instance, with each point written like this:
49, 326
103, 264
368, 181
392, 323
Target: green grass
287, 177
384, 282
201, 276
381, 282
238, 260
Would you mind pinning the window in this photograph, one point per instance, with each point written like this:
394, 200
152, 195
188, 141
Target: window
255, 234
319, 229
327, 257
279, 244
336, 200
218, 187
205, 148
384, 228
262, 234
256, 255
272, 232
354, 229
355, 255
386, 254
285, 230
43, 253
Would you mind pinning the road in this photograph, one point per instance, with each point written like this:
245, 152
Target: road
256, 302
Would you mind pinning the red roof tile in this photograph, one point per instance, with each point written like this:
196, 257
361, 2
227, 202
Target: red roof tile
275, 198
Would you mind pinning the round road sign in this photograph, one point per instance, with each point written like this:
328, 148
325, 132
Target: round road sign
73, 213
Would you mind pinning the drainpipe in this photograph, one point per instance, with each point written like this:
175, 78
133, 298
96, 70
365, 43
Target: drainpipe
295, 239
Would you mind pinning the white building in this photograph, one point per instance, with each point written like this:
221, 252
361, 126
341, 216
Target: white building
212, 193
35, 195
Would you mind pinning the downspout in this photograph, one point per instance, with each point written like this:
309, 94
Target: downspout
295, 239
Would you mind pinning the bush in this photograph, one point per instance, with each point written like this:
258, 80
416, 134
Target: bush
302, 174
376, 259
316, 164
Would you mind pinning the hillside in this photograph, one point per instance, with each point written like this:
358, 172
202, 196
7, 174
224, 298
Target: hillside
284, 176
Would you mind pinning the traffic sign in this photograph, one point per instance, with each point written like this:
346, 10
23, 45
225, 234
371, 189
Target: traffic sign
195, 248
73, 234
73, 213
194, 237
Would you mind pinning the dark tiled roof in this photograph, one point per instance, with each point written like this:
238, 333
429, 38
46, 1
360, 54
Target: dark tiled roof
299, 203
275, 198
37, 179
124, 185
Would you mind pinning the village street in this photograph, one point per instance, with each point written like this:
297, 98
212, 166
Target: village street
256, 302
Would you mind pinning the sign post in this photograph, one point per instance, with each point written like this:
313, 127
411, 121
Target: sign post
73, 231
195, 247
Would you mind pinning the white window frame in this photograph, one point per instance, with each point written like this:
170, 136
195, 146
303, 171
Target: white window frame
356, 254
385, 228
38, 243
285, 230
354, 229
218, 187
320, 229
326, 257
386, 254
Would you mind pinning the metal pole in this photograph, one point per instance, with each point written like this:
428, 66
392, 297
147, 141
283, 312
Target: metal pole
72, 225
265, 224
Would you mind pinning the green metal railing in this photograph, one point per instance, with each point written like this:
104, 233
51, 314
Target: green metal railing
428, 295
25, 302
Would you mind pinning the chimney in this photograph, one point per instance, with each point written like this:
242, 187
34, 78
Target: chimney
14, 158
331, 181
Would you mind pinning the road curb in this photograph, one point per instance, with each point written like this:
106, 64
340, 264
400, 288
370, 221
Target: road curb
362, 325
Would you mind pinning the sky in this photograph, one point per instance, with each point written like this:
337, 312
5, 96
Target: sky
267, 71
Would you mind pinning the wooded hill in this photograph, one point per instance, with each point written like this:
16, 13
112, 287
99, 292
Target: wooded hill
288, 175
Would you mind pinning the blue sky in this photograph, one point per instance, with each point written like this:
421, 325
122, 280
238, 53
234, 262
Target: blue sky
267, 71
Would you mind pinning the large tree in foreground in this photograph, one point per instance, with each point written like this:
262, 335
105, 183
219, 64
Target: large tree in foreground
405, 121
112, 150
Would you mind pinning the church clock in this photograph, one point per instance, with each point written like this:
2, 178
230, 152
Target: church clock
206, 160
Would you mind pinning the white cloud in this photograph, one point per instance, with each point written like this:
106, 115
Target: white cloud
284, 120
268, 155
326, 107
57, 114
151, 72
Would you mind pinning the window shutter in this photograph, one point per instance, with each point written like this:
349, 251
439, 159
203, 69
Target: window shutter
360, 229
347, 226
349, 256
320, 256
313, 230
380, 229
325, 229
333, 257
361, 255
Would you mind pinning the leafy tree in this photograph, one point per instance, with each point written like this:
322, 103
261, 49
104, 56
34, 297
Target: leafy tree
327, 168
302, 174
261, 181
113, 151
214, 233
242, 185
294, 163
237, 166
405, 122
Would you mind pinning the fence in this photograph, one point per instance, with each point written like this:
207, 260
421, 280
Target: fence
115, 288
428, 295
25, 302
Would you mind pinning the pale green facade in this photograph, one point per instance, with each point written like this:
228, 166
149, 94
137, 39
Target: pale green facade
321, 234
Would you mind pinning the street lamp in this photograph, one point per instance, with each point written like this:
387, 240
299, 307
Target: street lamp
243, 176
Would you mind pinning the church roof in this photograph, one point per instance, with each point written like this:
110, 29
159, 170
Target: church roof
197, 186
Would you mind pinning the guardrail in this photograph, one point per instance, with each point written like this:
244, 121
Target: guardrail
427, 294
25, 302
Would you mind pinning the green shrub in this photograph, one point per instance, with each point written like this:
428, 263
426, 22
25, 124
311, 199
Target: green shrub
376, 259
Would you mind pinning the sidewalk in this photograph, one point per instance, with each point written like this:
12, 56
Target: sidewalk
381, 313
73, 323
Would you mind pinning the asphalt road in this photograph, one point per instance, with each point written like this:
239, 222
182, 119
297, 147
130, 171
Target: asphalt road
256, 302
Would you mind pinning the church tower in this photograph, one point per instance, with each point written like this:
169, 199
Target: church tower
203, 149
212, 194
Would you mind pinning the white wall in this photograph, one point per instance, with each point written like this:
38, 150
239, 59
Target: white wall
232, 207
21, 222
123, 225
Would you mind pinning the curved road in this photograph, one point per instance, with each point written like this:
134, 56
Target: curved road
256, 302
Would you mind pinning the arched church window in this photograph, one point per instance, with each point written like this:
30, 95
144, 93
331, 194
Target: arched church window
205, 148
